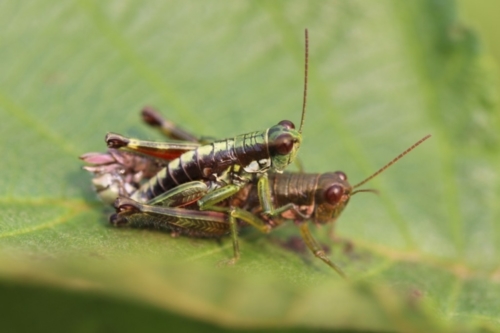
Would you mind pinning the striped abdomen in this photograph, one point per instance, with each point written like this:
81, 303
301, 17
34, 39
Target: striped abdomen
248, 150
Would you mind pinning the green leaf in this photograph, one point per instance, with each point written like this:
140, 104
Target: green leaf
382, 75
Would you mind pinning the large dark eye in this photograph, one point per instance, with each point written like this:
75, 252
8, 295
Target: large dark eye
341, 175
287, 123
283, 144
333, 194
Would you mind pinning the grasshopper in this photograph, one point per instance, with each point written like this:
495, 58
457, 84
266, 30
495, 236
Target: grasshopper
301, 197
256, 153
224, 190
194, 168
169, 186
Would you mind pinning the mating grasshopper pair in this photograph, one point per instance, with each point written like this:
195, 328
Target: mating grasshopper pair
300, 197
203, 189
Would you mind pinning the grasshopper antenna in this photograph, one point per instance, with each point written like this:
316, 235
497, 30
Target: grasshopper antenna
305, 82
389, 164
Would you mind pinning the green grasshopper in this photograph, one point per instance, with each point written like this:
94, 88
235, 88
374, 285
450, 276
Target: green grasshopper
203, 173
192, 160
197, 167
301, 197
188, 182
256, 153
220, 191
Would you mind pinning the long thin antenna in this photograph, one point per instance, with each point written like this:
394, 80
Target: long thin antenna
305, 83
393, 161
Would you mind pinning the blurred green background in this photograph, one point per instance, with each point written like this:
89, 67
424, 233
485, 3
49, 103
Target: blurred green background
481, 16
382, 75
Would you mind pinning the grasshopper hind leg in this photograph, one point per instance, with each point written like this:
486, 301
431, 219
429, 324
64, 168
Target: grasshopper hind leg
193, 223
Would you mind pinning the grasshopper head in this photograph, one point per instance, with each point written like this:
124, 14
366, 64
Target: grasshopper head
332, 195
284, 142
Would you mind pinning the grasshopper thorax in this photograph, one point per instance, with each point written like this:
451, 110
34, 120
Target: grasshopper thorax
283, 142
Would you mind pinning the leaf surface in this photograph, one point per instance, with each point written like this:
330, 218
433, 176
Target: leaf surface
382, 75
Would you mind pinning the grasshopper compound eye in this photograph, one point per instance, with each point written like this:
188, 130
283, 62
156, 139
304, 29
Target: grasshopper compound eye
287, 124
341, 175
334, 194
283, 144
